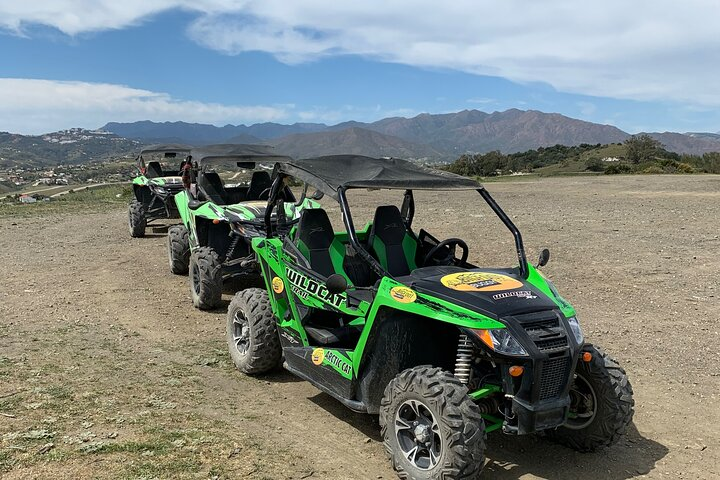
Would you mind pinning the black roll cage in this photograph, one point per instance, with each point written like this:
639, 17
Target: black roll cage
408, 212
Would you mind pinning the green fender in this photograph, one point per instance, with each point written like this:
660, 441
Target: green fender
395, 295
538, 280
141, 180
181, 201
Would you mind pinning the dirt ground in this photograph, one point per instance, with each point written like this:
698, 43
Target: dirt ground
107, 371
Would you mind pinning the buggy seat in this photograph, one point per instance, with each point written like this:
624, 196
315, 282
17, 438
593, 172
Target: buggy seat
391, 242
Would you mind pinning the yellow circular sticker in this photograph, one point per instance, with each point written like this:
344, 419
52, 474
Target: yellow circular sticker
277, 285
479, 282
318, 355
403, 294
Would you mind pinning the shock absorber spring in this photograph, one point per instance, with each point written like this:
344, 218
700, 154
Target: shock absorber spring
234, 240
463, 359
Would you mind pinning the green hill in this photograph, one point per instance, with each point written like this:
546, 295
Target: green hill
639, 154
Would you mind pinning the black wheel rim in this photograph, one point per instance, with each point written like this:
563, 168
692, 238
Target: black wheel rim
418, 435
196, 279
583, 404
241, 332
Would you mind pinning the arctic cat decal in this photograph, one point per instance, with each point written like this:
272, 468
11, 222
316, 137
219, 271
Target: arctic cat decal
515, 293
479, 282
277, 285
403, 294
312, 287
337, 362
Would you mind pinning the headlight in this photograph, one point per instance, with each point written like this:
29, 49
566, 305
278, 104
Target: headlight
501, 341
160, 190
576, 330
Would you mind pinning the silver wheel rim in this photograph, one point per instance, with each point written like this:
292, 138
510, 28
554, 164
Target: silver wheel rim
241, 333
418, 435
583, 398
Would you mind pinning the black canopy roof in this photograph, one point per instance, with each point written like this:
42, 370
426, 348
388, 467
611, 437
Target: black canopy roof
334, 172
166, 148
225, 153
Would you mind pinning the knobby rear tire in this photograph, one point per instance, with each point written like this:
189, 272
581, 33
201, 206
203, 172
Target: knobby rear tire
205, 278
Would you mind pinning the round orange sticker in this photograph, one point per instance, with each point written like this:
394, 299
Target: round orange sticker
277, 285
403, 294
318, 355
479, 282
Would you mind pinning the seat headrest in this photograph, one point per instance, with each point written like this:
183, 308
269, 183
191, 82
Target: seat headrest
211, 178
315, 229
259, 182
153, 170
388, 224
210, 184
261, 178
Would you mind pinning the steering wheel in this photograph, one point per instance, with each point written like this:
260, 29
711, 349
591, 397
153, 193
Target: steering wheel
451, 244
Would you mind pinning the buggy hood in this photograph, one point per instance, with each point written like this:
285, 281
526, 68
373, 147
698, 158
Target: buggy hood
493, 292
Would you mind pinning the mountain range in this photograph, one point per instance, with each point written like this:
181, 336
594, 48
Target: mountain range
430, 137
425, 136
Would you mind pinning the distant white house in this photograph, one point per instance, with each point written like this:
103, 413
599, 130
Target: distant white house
27, 199
610, 159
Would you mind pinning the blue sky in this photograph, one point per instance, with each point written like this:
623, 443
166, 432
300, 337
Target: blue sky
69, 63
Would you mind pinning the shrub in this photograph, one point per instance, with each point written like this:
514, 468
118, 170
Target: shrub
617, 169
685, 168
594, 165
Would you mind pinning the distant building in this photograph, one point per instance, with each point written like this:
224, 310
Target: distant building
27, 199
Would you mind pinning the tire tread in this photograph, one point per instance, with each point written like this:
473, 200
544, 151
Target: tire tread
264, 352
616, 393
466, 439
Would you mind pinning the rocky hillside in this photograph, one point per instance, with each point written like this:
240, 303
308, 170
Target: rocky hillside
76, 145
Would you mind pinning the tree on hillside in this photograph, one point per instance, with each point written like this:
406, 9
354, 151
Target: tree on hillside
642, 148
483, 165
594, 164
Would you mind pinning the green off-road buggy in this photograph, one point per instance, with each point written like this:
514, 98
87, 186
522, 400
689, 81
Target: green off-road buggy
393, 322
220, 219
154, 186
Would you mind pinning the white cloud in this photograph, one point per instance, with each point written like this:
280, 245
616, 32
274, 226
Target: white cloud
642, 50
482, 100
40, 106
587, 108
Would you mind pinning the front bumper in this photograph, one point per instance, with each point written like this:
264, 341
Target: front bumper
530, 418
539, 399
